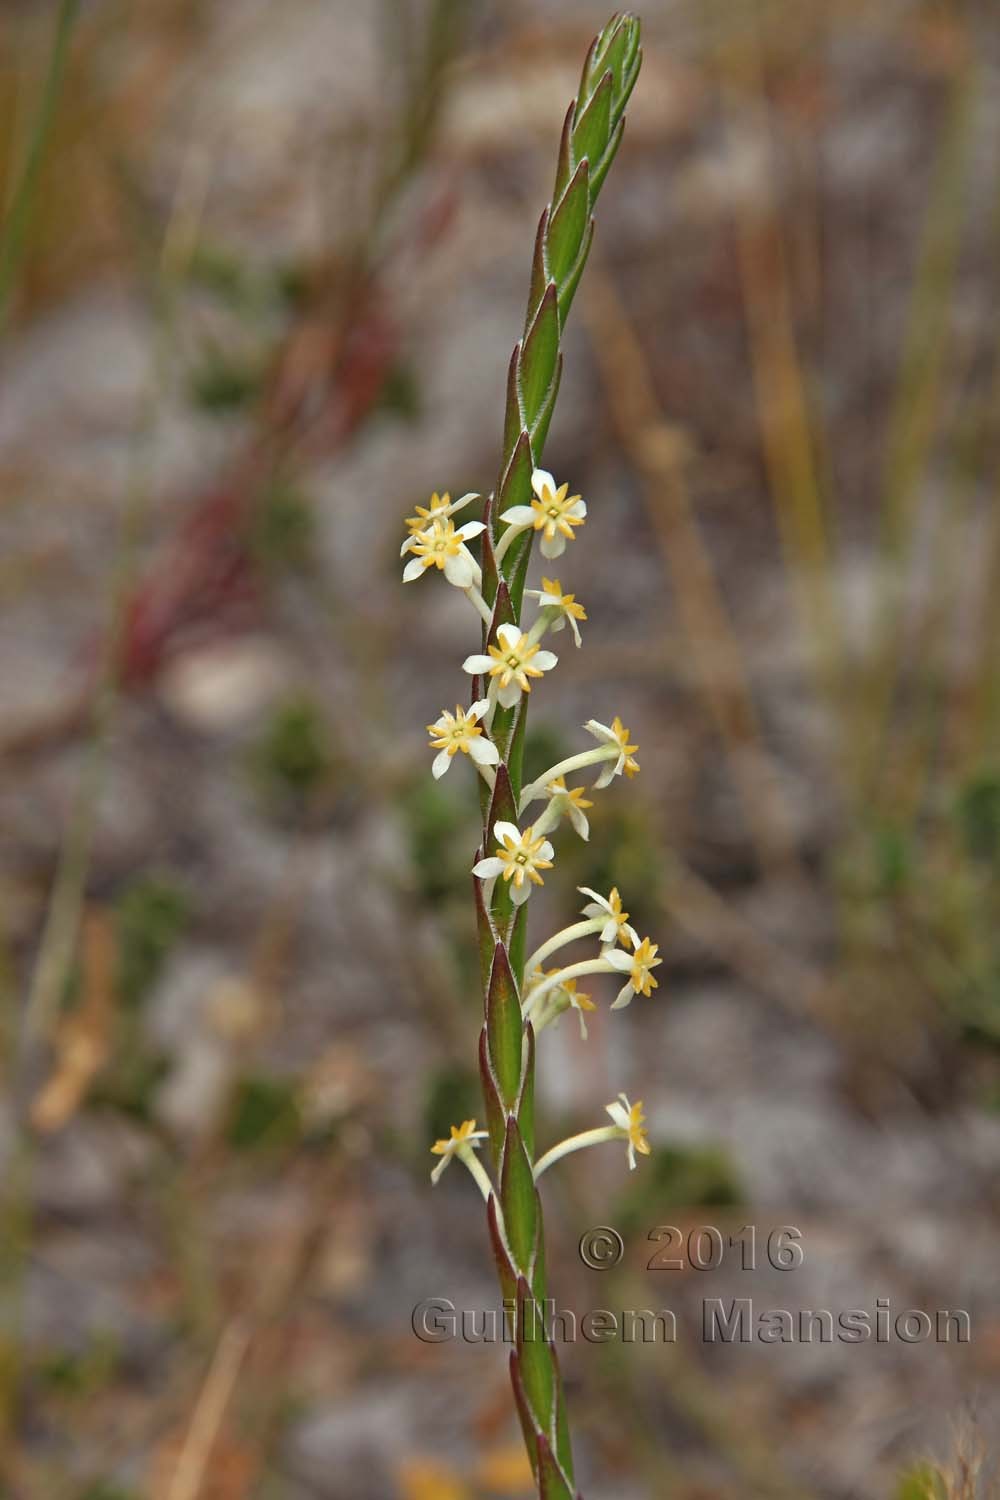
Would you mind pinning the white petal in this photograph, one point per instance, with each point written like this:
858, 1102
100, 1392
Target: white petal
476, 664
461, 570
609, 932
407, 545
619, 959
602, 901
487, 869
554, 548
576, 630
600, 731
579, 509
463, 501
520, 893
484, 752
624, 997
631, 1157
545, 852
509, 695
578, 818
631, 934
558, 624
544, 660
479, 709
436, 1174
508, 635
519, 515
618, 1115
441, 763
583, 1024
606, 777
504, 830
413, 569
540, 479
471, 529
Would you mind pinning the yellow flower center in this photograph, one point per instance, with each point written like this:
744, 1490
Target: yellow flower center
431, 513
521, 860
452, 732
621, 734
460, 1135
644, 961
439, 543
514, 663
566, 602
615, 903
557, 788
636, 1129
552, 512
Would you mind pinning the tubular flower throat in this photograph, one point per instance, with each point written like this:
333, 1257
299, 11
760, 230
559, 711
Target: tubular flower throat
518, 859
569, 802
511, 664
460, 731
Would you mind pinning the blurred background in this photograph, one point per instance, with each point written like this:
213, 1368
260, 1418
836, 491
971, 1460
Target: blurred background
261, 271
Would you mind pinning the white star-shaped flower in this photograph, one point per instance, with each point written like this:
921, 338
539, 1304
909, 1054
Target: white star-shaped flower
510, 664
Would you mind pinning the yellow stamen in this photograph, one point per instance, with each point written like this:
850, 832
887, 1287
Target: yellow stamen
452, 732
435, 545
551, 509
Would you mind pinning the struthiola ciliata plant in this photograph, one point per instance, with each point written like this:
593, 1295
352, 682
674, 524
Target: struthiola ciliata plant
522, 996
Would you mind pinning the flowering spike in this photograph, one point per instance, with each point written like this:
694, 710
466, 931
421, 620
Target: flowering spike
528, 504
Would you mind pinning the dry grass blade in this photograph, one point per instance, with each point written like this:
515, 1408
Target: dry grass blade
656, 450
